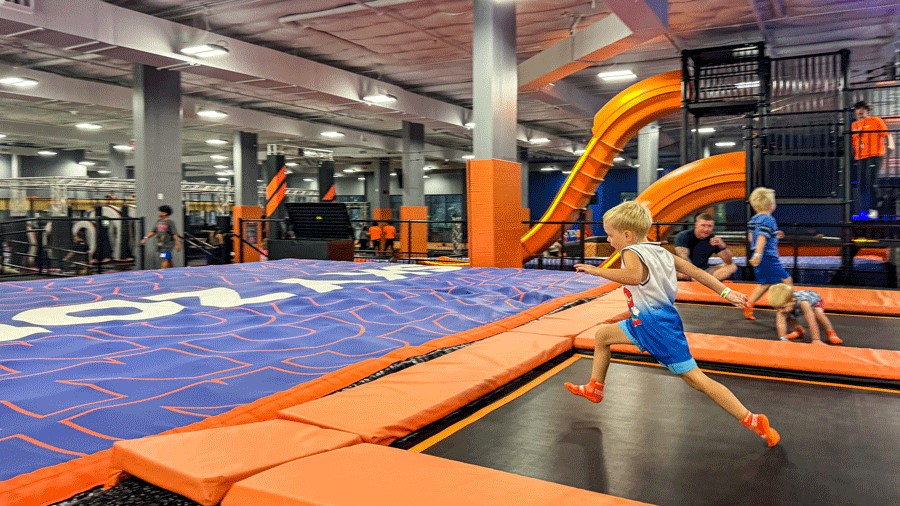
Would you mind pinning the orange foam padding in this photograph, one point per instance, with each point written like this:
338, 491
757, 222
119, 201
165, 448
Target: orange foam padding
811, 250
418, 241
614, 125
395, 405
381, 214
806, 357
377, 475
202, 465
56, 483
845, 300
497, 203
573, 321
247, 212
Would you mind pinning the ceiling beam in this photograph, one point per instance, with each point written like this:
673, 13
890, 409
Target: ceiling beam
140, 38
54, 87
630, 23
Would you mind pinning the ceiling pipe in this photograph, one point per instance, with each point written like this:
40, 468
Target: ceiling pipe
374, 4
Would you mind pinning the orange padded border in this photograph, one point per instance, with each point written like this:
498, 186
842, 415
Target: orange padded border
57, 483
396, 405
850, 300
373, 474
807, 357
202, 465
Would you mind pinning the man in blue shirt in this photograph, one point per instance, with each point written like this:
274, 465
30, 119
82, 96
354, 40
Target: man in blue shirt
699, 244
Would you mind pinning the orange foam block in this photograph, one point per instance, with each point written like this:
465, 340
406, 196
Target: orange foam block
395, 405
377, 475
203, 465
573, 321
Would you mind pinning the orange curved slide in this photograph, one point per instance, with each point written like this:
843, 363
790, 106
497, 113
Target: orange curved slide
614, 125
693, 187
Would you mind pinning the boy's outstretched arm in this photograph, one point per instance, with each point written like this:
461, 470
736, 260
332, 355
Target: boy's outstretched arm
706, 279
633, 271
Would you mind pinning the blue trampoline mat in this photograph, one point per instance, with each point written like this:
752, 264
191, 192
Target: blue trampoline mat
88, 361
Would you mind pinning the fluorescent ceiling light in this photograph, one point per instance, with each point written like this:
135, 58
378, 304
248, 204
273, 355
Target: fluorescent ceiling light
470, 125
204, 50
468, 157
379, 98
349, 171
428, 167
104, 172
704, 130
220, 166
660, 169
426, 177
216, 142
218, 158
548, 169
567, 172
122, 147
393, 173
2, 136
617, 75
726, 144
579, 151
618, 159
18, 82
308, 180
361, 178
332, 134
46, 152
87, 163
223, 173
291, 164
88, 126
747, 84
636, 165
211, 114
222, 178
539, 140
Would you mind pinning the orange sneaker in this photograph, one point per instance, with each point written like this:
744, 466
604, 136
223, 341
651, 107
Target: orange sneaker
833, 338
760, 425
748, 312
799, 331
593, 391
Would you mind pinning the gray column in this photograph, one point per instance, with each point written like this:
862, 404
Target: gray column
383, 183
523, 161
15, 166
494, 80
326, 181
116, 165
413, 146
648, 155
246, 171
156, 106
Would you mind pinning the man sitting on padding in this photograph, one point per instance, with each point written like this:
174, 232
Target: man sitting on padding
699, 244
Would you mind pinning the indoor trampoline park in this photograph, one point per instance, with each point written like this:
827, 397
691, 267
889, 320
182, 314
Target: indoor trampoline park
461, 252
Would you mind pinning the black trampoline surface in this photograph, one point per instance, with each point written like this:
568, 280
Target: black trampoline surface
655, 439
879, 332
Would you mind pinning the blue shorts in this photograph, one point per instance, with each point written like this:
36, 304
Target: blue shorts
661, 334
165, 255
770, 271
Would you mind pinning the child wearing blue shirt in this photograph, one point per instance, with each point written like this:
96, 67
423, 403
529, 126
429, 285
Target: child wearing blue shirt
649, 275
764, 235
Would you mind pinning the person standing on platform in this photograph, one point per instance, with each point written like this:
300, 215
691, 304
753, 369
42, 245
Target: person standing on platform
167, 237
871, 141
375, 236
390, 235
699, 244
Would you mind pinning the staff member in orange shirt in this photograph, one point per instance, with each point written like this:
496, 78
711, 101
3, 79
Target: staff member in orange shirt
390, 235
869, 134
375, 235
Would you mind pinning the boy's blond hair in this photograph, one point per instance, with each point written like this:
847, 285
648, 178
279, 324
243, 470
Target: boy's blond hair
632, 216
762, 199
780, 294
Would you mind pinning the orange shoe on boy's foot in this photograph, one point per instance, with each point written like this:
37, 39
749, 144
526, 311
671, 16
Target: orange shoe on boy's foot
748, 311
593, 391
799, 331
833, 338
760, 425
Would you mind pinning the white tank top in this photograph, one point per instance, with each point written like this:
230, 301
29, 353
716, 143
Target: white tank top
661, 284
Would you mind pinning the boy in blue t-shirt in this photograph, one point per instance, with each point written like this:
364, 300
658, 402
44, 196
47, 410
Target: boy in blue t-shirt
764, 235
